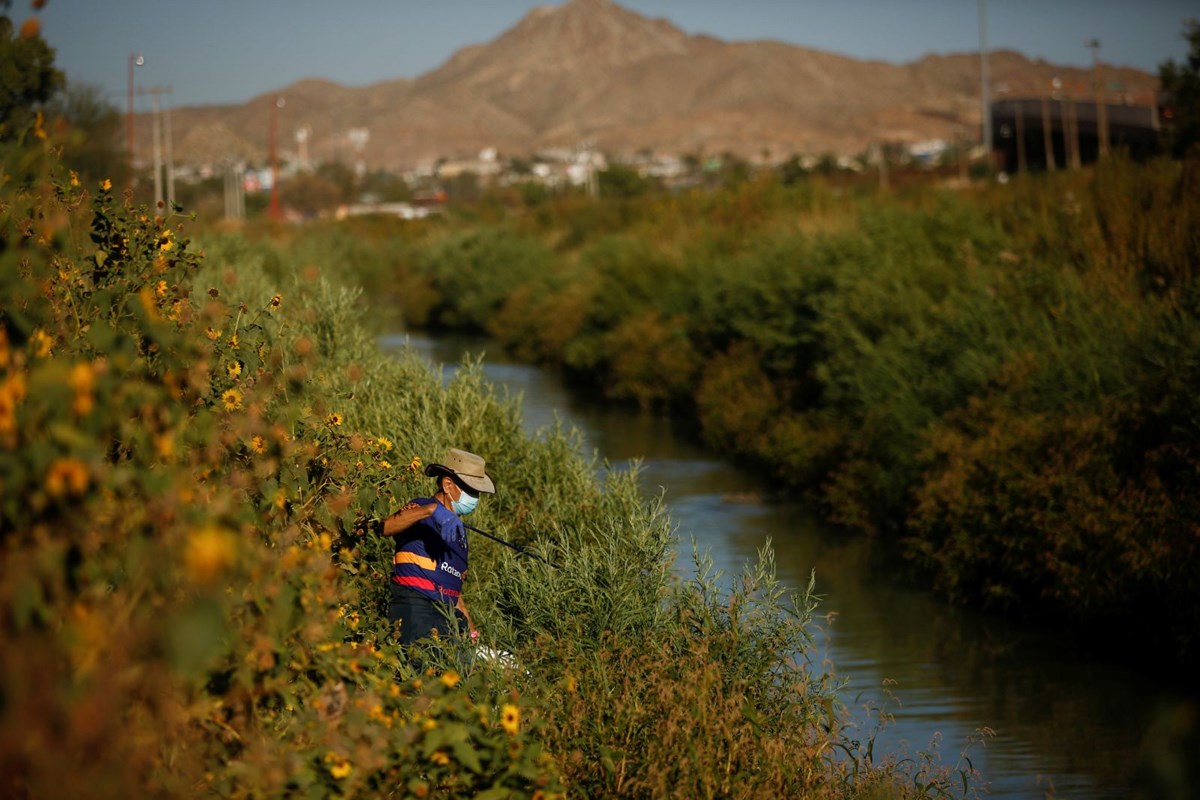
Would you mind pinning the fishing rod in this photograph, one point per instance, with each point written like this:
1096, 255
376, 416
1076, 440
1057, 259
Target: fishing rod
516, 547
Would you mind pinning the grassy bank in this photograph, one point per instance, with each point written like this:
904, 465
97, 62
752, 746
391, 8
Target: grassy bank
997, 380
192, 449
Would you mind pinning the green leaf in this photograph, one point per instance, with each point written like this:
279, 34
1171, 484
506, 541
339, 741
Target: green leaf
194, 635
496, 793
467, 756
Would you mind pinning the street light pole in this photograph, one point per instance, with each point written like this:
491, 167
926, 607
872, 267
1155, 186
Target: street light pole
135, 60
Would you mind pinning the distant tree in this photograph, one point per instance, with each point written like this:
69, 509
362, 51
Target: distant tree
90, 129
622, 181
1181, 85
734, 170
520, 166
463, 187
341, 176
792, 171
385, 187
28, 77
310, 194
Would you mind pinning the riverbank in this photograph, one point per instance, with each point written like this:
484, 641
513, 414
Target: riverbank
1066, 719
997, 381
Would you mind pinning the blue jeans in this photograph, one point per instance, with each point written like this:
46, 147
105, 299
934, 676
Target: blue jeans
419, 616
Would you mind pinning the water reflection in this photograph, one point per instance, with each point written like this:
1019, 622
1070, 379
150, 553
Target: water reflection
1064, 725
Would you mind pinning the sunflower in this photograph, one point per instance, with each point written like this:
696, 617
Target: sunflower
334, 419
450, 678
339, 767
510, 719
231, 400
66, 475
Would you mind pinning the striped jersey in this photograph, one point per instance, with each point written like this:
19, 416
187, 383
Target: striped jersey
431, 556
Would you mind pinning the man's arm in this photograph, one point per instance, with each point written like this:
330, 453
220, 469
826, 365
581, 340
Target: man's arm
461, 606
406, 517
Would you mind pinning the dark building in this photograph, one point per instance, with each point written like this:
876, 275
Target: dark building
1036, 133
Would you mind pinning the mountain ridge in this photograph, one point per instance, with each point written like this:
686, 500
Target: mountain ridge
594, 71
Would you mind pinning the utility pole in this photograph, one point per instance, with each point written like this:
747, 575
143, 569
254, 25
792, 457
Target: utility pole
1019, 106
170, 161
1101, 101
1048, 135
276, 213
156, 126
984, 93
1071, 110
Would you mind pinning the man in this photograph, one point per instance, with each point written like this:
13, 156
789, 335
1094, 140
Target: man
431, 550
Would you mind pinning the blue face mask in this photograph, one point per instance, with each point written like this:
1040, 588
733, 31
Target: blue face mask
465, 503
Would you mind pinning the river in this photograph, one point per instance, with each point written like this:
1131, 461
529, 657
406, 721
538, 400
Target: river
1065, 724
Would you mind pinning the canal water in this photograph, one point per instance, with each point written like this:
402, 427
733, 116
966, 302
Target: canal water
1062, 724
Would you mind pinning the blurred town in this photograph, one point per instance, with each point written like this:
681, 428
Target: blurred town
531, 109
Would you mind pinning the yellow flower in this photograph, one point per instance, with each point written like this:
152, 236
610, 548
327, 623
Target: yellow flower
105, 185
415, 464
450, 678
66, 475
384, 464
234, 368
258, 444
334, 419
164, 445
339, 767
510, 719
209, 552
43, 343
440, 758
231, 400
212, 334
74, 178
233, 341
385, 443
276, 301
160, 288
82, 377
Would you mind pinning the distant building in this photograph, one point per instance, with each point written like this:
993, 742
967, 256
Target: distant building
1041, 132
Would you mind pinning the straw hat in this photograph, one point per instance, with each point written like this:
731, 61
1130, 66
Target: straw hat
467, 468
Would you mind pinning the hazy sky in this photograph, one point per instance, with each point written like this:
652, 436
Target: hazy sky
227, 51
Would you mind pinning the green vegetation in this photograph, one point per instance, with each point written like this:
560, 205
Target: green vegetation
1181, 87
192, 446
999, 381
